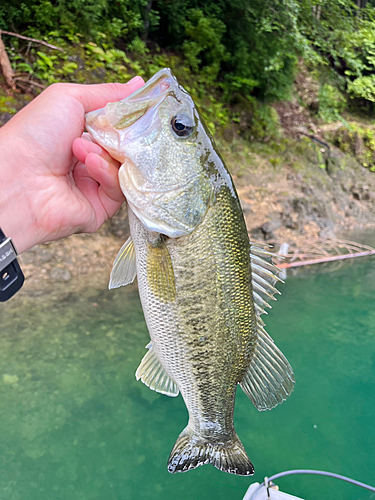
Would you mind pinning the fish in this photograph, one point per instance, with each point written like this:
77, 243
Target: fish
203, 286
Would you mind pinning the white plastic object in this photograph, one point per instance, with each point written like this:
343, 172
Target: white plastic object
260, 493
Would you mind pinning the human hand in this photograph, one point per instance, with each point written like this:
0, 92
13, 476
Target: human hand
53, 180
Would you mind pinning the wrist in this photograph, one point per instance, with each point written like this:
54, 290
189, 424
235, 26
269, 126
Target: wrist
16, 214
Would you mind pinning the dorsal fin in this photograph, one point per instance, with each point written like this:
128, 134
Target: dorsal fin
124, 268
153, 374
264, 277
269, 379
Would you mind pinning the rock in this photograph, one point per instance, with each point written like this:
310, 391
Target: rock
27, 257
60, 274
38, 255
270, 226
4, 118
326, 223
361, 192
257, 234
289, 223
327, 234
43, 255
118, 225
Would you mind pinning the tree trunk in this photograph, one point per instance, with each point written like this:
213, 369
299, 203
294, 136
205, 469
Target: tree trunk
6, 66
146, 24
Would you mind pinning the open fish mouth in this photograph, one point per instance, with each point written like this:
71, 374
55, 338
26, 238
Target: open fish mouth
121, 115
140, 117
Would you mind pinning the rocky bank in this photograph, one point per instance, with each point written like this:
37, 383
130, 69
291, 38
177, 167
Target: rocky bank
296, 188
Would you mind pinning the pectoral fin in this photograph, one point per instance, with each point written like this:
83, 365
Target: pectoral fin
160, 273
152, 374
124, 268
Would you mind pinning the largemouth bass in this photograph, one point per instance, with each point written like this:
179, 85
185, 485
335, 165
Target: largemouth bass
203, 287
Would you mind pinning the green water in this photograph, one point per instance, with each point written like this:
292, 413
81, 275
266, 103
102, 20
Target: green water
75, 425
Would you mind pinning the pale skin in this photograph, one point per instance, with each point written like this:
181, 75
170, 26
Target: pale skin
53, 180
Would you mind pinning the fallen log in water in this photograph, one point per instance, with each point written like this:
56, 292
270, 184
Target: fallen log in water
287, 265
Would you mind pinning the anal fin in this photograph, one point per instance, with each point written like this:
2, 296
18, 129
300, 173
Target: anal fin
152, 373
124, 268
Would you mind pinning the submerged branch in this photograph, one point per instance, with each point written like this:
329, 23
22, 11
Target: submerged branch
326, 259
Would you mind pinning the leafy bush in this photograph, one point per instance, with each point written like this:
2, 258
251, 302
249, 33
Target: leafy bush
359, 141
240, 47
363, 87
331, 103
341, 36
203, 48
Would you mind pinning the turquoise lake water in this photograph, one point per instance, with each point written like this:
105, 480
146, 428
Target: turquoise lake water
75, 424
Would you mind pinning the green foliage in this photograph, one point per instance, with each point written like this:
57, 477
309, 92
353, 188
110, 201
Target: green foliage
138, 47
238, 40
6, 104
264, 121
89, 17
203, 48
246, 51
340, 36
358, 141
360, 60
363, 87
215, 114
331, 103
45, 67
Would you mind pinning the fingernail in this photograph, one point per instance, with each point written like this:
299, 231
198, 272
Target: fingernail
134, 80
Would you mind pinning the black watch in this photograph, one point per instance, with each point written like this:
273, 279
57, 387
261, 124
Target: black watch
11, 275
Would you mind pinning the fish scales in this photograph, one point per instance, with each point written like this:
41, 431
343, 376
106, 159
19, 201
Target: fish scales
191, 253
213, 322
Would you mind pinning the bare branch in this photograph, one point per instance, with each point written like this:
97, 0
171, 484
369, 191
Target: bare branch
30, 82
41, 42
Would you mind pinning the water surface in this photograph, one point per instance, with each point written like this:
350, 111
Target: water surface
75, 424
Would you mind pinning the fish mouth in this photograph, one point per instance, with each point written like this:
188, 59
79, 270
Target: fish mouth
113, 126
122, 114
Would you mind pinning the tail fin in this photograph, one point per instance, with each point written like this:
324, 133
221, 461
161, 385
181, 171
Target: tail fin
190, 452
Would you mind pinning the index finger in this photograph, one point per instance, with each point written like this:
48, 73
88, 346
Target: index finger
96, 96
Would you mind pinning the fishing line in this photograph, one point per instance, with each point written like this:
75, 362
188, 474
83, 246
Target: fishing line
315, 472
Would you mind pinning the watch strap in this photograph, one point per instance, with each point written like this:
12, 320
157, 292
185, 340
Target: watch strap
11, 275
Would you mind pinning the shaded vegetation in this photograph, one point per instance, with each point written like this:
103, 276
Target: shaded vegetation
234, 57
250, 47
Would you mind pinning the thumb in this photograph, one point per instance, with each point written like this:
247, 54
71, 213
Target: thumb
98, 95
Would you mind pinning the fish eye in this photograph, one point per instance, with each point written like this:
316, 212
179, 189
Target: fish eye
182, 125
